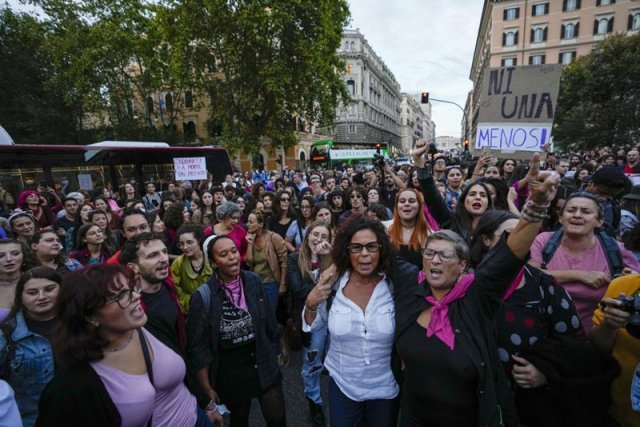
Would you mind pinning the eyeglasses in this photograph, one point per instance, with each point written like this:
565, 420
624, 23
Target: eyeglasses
444, 255
124, 298
305, 207
355, 196
285, 200
356, 248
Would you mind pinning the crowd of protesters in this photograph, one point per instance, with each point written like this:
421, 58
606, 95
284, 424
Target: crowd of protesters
452, 291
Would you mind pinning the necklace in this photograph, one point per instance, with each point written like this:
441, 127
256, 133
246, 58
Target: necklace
121, 346
10, 281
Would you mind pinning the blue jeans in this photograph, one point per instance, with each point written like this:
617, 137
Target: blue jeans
202, 420
271, 291
312, 365
344, 412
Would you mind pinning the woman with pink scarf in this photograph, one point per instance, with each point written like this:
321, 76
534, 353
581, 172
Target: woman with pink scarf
232, 337
444, 333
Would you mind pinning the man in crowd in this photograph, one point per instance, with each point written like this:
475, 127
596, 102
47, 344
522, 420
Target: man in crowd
148, 256
66, 222
562, 166
439, 166
632, 166
134, 222
152, 199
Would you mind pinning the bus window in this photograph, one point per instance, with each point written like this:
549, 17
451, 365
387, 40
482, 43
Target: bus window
81, 177
14, 180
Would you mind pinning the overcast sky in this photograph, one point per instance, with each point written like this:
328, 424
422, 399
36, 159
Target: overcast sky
428, 45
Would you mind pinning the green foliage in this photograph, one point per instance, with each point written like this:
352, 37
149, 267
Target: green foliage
599, 100
255, 63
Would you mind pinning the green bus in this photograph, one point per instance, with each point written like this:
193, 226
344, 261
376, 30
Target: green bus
324, 154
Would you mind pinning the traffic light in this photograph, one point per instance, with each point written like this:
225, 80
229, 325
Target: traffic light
425, 98
466, 145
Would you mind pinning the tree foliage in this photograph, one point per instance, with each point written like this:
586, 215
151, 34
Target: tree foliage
255, 64
599, 100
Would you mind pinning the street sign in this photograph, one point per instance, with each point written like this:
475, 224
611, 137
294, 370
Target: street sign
517, 105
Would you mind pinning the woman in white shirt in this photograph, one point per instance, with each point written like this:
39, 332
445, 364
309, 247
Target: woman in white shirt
355, 298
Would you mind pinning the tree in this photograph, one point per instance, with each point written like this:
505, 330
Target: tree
262, 63
599, 101
32, 111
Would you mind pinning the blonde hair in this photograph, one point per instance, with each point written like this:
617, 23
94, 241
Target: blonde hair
304, 256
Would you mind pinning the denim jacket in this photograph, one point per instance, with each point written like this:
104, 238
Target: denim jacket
31, 368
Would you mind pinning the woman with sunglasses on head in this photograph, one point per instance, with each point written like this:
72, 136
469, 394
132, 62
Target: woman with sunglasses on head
232, 336
113, 372
205, 213
444, 333
31, 201
283, 213
267, 257
298, 228
303, 273
92, 247
25, 337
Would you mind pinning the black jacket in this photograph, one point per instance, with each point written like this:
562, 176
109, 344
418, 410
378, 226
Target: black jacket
77, 398
579, 382
203, 329
472, 320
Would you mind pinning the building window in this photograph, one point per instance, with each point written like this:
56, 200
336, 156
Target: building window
352, 128
634, 21
569, 5
567, 57
168, 102
509, 62
540, 9
570, 30
511, 14
510, 38
351, 87
188, 99
353, 46
536, 59
603, 26
149, 104
605, 2
538, 35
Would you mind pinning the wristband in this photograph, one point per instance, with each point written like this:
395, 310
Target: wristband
306, 307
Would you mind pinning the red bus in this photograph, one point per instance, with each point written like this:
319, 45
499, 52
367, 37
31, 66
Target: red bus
106, 164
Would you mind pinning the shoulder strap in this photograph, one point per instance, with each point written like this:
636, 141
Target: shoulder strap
7, 355
332, 295
147, 363
205, 293
551, 247
147, 356
612, 252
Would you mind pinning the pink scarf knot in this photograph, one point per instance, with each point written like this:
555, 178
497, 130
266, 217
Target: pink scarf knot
234, 290
439, 324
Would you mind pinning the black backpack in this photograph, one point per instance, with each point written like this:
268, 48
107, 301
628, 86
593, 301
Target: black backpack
608, 243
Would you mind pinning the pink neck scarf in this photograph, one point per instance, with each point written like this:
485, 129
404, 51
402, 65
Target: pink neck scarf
234, 290
433, 224
439, 324
514, 285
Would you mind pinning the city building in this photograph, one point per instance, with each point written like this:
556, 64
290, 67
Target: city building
373, 116
448, 143
412, 120
533, 32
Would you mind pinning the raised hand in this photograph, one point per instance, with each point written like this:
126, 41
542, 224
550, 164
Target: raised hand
542, 184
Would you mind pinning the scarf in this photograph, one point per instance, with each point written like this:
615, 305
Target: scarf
234, 290
439, 324
433, 224
514, 285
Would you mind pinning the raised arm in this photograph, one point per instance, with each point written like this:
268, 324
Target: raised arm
428, 186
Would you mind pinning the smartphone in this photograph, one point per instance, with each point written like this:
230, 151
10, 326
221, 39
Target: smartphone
43, 184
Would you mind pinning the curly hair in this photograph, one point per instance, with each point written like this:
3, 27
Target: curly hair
173, 216
345, 233
82, 294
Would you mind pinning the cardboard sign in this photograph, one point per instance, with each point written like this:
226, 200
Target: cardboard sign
85, 182
517, 105
188, 168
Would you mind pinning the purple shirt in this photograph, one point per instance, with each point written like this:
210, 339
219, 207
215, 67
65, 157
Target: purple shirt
170, 403
585, 298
